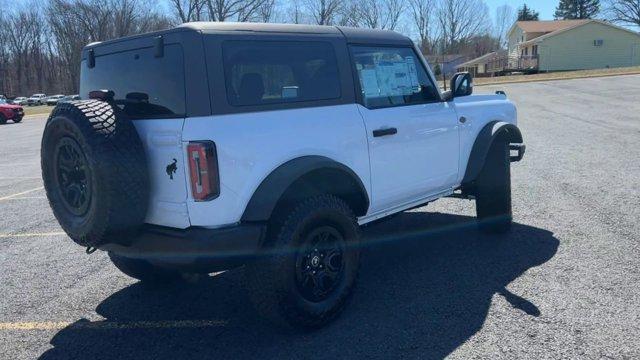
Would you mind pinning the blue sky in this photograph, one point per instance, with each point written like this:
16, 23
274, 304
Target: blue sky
546, 8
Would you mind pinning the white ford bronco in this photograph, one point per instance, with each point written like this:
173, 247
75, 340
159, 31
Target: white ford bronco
214, 145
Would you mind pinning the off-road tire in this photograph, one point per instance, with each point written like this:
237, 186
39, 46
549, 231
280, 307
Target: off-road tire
271, 279
493, 191
118, 183
3, 120
145, 271
17, 120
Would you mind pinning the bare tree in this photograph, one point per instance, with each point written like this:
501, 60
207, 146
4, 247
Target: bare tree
624, 11
348, 14
239, 10
422, 15
379, 14
505, 17
461, 19
394, 10
188, 10
323, 12
266, 11
295, 12
4, 51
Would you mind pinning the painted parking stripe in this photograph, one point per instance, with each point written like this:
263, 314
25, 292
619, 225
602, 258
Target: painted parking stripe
58, 233
27, 197
111, 325
21, 177
21, 193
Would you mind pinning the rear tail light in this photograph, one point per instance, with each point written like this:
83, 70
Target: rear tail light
203, 167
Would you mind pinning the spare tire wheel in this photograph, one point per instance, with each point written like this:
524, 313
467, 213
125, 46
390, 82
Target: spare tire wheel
95, 172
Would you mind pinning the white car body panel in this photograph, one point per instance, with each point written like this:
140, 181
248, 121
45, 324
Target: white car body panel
420, 160
424, 161
162, 140
479, 110
251, 145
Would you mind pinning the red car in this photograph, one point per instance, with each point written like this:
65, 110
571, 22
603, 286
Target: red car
10, 112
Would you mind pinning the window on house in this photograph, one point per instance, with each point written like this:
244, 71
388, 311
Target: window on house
598, 42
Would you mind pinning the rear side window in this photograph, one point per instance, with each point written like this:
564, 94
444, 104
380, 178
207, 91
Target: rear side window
261, 73
391, 76
145, 86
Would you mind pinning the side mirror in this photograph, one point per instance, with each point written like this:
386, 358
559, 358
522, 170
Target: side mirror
462, 84
447, 96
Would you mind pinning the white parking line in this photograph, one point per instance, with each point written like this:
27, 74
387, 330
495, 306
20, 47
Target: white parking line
56, 233
21, 193
20, 177
102, 325
28, 197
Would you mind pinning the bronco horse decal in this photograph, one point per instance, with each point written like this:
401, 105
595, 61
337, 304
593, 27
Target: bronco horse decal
172, 168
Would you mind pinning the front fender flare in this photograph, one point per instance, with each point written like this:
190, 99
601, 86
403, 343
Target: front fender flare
273, 187
494, 130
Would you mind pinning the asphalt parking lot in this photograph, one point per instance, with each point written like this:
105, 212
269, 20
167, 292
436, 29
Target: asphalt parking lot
564, 284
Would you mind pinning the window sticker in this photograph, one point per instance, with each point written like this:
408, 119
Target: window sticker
369, 81
396, 78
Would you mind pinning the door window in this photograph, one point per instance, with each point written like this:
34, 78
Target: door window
261, 73
392, 77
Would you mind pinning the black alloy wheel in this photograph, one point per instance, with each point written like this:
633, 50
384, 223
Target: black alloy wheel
73, 176
320, 263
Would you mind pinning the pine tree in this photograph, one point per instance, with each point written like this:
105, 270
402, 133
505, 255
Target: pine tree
527, 14
577, 9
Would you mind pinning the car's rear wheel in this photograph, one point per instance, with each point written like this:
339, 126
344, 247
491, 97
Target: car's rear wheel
145, 271
493, 190
309, 267
17, 119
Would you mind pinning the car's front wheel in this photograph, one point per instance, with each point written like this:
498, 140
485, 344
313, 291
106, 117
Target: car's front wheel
309, 267
3, 120
493, 190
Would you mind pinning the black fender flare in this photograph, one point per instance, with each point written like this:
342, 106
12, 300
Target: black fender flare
489, 133
273, 187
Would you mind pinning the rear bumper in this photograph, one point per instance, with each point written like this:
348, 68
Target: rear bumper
193, 247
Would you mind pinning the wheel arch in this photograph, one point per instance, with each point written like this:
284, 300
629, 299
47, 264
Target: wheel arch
493, 131
303, 177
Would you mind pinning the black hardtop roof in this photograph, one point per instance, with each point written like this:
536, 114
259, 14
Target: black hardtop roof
352, 35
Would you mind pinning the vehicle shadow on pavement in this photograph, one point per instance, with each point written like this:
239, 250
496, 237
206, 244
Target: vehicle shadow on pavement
426, 285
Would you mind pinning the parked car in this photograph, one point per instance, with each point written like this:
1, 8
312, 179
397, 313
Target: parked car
69, 98
37, 99
10, 112
53, 100
21, 100
270, 152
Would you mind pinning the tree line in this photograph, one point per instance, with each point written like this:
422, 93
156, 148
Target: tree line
41, 43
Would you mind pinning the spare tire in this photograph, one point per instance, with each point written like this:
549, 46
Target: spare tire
95, 172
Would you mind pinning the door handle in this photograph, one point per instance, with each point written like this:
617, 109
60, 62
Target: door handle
385, 132
463, 120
